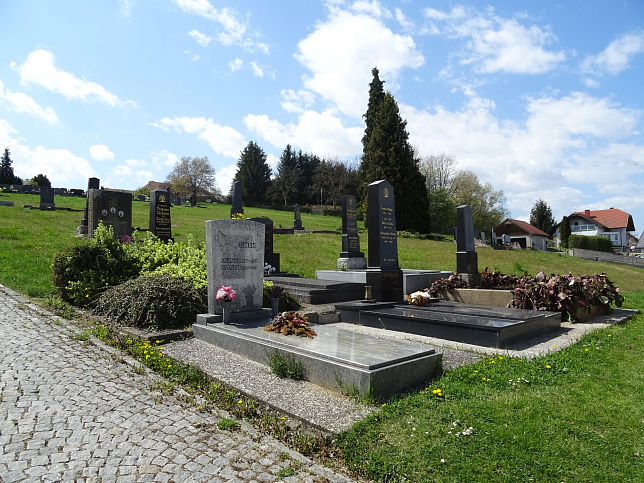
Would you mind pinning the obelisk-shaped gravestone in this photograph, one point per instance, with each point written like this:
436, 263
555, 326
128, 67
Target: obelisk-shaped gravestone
237, 202
297, 220
383, 274
160, 220
351, 257
466, 258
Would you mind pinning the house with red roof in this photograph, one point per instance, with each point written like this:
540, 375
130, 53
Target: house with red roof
612, 223
523, 233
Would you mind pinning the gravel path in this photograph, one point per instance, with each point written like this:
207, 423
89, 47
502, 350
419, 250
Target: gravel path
73, 410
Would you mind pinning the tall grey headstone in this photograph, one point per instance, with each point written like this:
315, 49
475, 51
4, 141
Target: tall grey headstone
383, 273
237, 201
112, 208
350, 257
235, 257
160, 220
47, 198
466, 257
297, 219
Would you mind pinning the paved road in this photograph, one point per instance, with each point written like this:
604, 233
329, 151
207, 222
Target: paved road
70, 410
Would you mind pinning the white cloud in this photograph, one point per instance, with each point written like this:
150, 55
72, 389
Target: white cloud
164, 158
617, 56
20, 102
272, 161
224, 177
100, 152
132, 172
62, 167
235, 64
497, 44
201, 38
404, 22
223, 140
40, 68
373, 8
319, 133
341, 52
234, 31
562, 153
193, 57
257, 70
297, 101
126, 7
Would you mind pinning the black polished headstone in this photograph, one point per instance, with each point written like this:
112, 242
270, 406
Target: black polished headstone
466, 257
237, 203
381, 217
160, 220
46, 198
383, 274
297, 220
112, 208
350, 237
273, 259
92, 184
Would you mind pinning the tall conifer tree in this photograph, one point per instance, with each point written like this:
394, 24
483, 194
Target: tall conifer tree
388, 155
254, 173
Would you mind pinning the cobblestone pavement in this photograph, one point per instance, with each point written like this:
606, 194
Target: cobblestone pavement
70, 410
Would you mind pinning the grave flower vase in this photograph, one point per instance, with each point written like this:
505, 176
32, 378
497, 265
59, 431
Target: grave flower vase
275, 305
225, 314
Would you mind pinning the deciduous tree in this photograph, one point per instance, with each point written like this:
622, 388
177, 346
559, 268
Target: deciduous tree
192, 176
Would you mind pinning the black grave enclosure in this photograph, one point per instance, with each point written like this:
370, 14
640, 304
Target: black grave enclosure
471, 324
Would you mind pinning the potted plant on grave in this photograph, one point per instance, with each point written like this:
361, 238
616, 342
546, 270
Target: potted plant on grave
225, 295
275, 293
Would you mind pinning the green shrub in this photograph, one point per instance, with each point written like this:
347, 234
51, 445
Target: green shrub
286, 367
597, 243
155, 301
82, 271
184, 260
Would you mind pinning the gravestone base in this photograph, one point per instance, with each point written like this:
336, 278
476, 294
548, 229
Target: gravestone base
250, 315
47, 206
351, 263
386, 284
473, 280
340, 360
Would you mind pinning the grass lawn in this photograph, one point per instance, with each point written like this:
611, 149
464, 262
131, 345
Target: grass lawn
574, 415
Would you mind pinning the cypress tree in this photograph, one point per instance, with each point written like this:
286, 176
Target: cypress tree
6, 170
564, 231
388, 155
541, 217
254, 173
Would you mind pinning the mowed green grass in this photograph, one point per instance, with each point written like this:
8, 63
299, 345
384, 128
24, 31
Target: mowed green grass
580, 416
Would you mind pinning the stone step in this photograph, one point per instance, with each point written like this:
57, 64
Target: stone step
314, 291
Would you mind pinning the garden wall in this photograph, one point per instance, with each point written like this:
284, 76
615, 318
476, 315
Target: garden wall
606, 257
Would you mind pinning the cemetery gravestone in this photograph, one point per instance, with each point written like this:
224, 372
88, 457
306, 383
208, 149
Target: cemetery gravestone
383, 273
237, 202
297, 220
92, 183
160, 221
466, 257
46, 198
112, 208
350, 257
235, 254
270, 258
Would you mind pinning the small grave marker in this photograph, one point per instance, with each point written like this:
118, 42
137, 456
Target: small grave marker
47, 198
466, 257
297, 220
237, 201
350, 257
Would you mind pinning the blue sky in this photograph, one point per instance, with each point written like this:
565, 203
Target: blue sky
541, 99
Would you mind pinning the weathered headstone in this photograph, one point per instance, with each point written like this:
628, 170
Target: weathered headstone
112, 208
235, 256
237, 202
493, 238
297, 220
466, 258
192, 199
160, 221
351, 257
270, 257
92, 183
383, 274
483, 237
46, 198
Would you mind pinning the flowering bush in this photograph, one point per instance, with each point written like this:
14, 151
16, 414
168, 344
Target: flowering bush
288, 323
225, 294
238, 216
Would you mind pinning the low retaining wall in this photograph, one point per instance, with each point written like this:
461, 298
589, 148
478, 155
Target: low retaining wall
477, 296
606, 257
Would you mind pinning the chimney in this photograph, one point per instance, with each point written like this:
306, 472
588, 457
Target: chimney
587, 213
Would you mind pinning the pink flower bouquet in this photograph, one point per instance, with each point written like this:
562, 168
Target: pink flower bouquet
226, 294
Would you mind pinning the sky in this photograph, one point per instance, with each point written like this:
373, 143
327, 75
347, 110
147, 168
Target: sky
543, 100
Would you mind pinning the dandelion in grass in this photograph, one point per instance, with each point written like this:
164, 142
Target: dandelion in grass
586, 349
239, 402
548, 366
